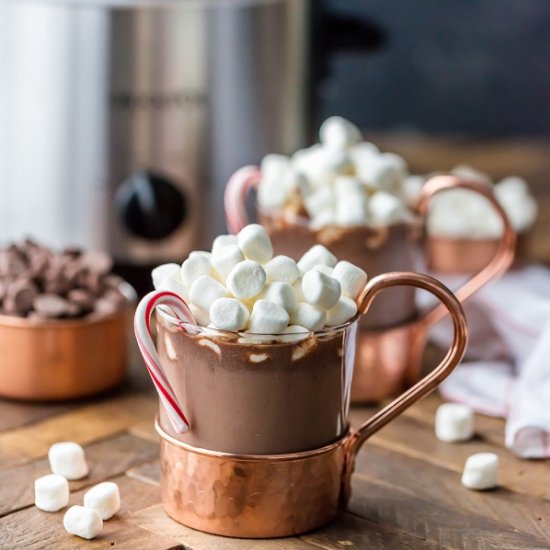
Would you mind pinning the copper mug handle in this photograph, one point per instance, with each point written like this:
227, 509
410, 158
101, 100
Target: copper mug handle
458, 346
235, 196
504, 255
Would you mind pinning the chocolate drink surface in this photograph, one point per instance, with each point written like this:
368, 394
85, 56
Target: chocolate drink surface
258, 398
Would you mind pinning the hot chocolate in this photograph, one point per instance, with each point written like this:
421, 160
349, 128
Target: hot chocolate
248, 397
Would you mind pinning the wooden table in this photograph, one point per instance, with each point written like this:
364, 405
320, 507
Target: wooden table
406, 488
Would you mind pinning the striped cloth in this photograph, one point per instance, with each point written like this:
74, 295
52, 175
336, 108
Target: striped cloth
506, 371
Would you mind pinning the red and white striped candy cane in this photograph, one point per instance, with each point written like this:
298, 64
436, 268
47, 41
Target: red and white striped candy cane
142, 329
236, 193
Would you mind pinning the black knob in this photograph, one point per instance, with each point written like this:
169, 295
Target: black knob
150, 205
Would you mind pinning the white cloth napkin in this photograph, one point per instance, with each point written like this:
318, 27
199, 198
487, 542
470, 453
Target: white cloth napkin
506, 371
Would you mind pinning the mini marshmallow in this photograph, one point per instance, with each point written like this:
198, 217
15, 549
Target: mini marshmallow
268, 318
205, 291
255, 243
295, 333
224, 240
308, 316
352, 279
162, 271
480, 471
273, 166
82, 522
337, 132
68, 460
225, 259
411, 188
297, 286
194, 267
317, 254
343, 311
320, 290
175, 285
454, 422
104, 498
323, 218
324, 269
348, 185
202, 317
229, 314
385, 171
351, 210
320, 200
282, 294
51, 493
246, 280
283, 269
385, 208
272, 194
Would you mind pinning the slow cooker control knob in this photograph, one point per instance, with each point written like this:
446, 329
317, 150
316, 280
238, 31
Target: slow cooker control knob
150, 205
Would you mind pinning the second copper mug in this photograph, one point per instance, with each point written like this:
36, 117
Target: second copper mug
255, 439
392, 339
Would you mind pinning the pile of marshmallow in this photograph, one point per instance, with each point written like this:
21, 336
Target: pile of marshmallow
460, 213
455, 423
240, 286
101, 502
341, 181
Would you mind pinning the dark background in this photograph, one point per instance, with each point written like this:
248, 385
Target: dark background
473, 67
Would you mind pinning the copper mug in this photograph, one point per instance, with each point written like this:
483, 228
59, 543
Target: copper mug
255, 439
391, 344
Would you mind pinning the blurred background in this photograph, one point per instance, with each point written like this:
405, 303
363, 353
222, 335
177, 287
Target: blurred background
121, 120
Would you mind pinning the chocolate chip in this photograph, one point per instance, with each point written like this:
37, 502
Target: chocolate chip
51, 306
83, 298
97, 261
20, 297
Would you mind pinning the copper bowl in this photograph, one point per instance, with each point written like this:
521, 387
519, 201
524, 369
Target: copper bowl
60, 360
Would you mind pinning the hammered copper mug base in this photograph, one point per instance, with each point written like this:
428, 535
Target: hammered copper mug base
254, 496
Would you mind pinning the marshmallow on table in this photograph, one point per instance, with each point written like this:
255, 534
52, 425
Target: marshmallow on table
320, 290
162, 271
225, 259
308, 316
343, 311
337, 132
352, 279
229, 314
268, 318
282, 294
255, 243
82, 522
194, 267
317, 254
454, 422
283, 269
224, 240
246, 280
51, 493
480, 471
68, 460
205, 291
104, 498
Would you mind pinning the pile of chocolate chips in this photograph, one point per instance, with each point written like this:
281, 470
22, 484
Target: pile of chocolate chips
38, 283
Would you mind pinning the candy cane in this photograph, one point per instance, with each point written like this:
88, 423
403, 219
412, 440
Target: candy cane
142, 329
236, 193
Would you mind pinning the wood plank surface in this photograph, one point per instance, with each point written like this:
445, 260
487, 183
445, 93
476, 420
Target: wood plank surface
406, 486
